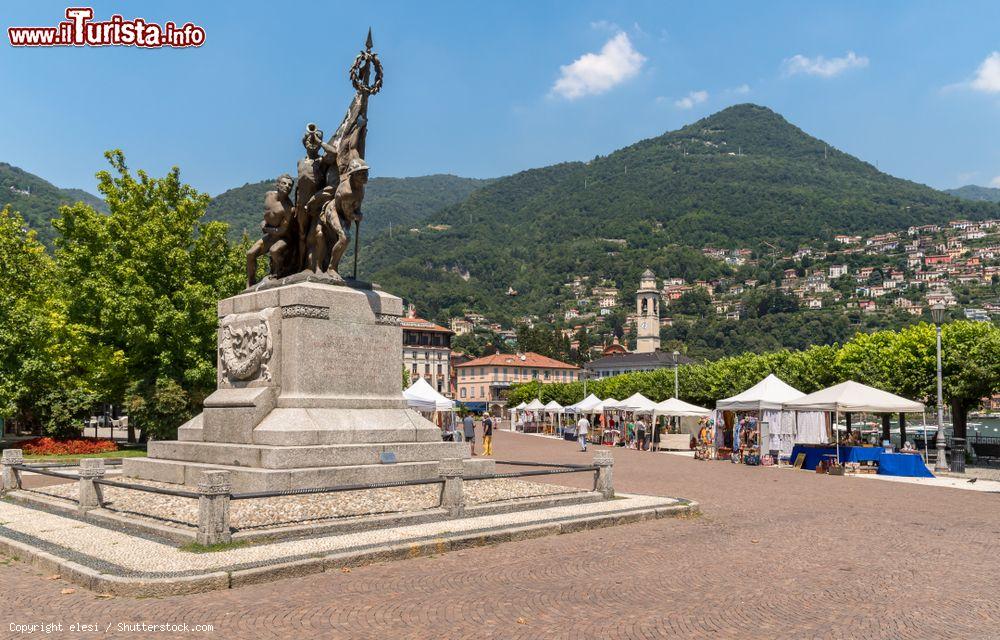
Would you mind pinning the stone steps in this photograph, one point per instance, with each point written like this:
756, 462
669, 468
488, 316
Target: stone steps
292, 457
251, 479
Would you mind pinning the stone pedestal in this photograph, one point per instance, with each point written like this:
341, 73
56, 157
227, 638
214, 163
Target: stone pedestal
309, 395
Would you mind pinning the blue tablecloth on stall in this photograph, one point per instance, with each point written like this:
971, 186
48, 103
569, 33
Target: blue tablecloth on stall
889, 464
903, 464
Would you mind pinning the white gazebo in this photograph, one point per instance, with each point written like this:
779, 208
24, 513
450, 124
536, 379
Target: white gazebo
637, 403
584, 406
555, 410
853, 397
779, 429
678, 408
422, 397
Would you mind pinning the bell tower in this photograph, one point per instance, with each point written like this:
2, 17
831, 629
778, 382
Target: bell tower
647, 314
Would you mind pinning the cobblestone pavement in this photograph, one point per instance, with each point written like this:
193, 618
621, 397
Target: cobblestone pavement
776, 553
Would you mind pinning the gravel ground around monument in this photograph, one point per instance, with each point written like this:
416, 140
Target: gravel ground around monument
265, 512
776, 553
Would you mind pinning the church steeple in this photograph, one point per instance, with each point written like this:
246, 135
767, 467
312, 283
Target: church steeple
647, 313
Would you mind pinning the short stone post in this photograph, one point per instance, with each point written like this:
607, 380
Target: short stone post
213, 508
11, 476
452, 494
89, 494
603, 484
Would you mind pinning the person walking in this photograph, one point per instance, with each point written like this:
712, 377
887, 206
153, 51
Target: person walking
640, 433
630, 434
487, 435
582, 427
469, 429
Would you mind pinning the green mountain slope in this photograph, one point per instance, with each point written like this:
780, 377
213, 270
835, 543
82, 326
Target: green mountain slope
401, 201
38, 200
740, 177
974, 192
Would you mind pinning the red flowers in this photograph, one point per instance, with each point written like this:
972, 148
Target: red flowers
77, 446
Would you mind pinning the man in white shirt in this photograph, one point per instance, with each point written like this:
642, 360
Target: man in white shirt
582, 426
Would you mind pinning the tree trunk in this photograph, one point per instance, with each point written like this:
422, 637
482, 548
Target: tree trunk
131, 432
886, 425
902, 430
959, 418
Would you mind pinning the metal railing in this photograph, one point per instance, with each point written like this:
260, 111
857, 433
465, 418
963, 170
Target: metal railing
214, 490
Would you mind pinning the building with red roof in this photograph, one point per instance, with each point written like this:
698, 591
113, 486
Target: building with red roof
483, 382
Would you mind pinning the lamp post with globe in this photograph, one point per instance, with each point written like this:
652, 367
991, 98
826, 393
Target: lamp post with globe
937, 315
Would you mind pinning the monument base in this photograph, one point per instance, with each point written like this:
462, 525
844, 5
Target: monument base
309, 396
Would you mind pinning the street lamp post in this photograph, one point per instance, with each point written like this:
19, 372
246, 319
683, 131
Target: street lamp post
937, 314
676, 384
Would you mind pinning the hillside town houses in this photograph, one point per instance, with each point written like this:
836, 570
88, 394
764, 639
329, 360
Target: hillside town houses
953, 264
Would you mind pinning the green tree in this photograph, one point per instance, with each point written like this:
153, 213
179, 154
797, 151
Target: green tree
51, 372
145, 280
696, 302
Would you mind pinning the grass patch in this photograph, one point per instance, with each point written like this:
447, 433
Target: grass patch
194, 547
72, 457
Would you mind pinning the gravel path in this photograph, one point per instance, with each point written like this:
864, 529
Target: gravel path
269, 512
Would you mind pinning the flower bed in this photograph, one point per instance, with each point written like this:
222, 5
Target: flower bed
66, 446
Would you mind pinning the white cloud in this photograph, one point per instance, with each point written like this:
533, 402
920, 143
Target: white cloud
741, 90
595, 73
995, 182
823, 67
605, 25
691, 99
987, 77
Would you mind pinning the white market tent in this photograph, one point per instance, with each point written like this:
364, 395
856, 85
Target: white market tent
553, 407
535, 405
586, 405
522, 406
675, 407
851, 397
770, 393
423, 397
605, 405
637, 403
779, 429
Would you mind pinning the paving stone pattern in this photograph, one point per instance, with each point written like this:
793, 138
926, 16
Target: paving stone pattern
775, 553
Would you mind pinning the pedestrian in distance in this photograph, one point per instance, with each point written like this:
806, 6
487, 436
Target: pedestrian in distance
487, 435
469, 430
582, 427
640, 434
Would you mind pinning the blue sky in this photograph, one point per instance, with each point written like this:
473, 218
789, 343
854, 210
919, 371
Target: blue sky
490, 88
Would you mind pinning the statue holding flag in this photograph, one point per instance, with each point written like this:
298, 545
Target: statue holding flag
331, 187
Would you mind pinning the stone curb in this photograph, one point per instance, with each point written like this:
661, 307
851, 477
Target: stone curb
137, 586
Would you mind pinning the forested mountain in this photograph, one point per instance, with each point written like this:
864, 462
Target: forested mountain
38, 200
974, 192
739, 178
401, 201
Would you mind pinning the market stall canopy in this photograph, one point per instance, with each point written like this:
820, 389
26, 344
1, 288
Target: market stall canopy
675, 407
554, 407
770, 393
535, 405
606, 405
423, 397
522, 406
637, 403
586, 405
853, 396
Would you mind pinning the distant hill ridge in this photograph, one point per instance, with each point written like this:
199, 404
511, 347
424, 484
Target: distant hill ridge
38, 200
974, 192
739, 178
